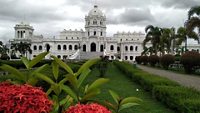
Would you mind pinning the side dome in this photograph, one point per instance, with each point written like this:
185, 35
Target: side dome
95, 12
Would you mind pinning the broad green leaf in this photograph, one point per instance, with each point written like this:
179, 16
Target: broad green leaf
55, 104
83, 76
115, 96
37, 59
25, 61
63, 81
45, 78
130, 100
32, 81
39, 69
87, 65
73, 80
69, 91
14, 72
128, 105
90, 95
96, 84
55, 68
63, 65
49, 91
57, 89
64, 101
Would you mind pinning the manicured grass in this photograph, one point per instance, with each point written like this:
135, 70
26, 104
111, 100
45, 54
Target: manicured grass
126, 87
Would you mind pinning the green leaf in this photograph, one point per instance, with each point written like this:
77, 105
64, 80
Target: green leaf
64, 101
63, 81
63, 65
69, 91
128, 105
87, 65
32, 81
96, 84
25, 61
130, 100
49, 91
90, 95
45, 78
115, 96
55, 68
39, 69
73, 80
13, 71
37, 59
83, 76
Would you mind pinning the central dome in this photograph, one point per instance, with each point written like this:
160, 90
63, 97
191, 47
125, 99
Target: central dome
95, 12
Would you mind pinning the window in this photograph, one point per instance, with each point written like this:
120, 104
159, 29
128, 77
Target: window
95, 22
88, 33
66, 38
58, 56
112, 57
40, 47
101, 33
95, 33
118, 48
136, 48
111, 47
126, 48
34, 47
101, 22
70, 47
126, 58
75, 47
34, 55
131, 48
88, 23
131, 57
64, 47
59, 47
72, 37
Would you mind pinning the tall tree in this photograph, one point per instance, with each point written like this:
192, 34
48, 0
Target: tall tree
153, 35
22, 47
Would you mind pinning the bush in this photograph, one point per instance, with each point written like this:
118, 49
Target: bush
23, 99
179, 98
144, 60
5, 57
153, 60
166, 60
189, 60
138, 59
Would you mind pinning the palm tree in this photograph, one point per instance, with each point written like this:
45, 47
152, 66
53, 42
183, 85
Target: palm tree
193, 19
22, 47
182, 34
153, 35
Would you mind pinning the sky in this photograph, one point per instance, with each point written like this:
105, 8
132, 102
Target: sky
49, 17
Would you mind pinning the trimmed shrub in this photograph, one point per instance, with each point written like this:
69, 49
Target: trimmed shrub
153, 60
166, 60
189, 60
144, 60
179, 98
138, 59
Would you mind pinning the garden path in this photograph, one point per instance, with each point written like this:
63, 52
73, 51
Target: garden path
183, 79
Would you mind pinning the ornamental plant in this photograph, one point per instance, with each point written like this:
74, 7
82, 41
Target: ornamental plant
23, 99
153, 60
166, 60
144, 60
88, 108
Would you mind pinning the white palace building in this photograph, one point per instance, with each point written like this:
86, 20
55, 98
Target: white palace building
75, 44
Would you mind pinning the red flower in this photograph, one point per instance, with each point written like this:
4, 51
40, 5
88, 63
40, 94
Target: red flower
88, 108
23, 99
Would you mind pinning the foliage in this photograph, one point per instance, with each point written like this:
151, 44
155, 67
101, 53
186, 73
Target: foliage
189, 60
144, 59
179, 98
121, 103
137, 59
87, 108
29, 76
5, 57
166, 60
22, 47
103, 65
153, 60
23, 99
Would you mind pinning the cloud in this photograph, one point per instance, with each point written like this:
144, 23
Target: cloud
180, 4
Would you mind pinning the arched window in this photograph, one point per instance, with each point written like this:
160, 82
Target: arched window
66, 38
64, 47
89, 23
40, 47
95, 22
131, 57
111, 47
58, 56
34, 47
136, 48
88, 33
126, 57
75, 47
95, 33
101, 48
118, 48
34, 55
84, 48
101, 33
112, 57
101, 23
70, 47
126, 48
131, 48
59, 47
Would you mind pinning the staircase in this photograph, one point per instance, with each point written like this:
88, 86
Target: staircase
90, 55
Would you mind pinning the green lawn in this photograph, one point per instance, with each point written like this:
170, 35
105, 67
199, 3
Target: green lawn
125, 87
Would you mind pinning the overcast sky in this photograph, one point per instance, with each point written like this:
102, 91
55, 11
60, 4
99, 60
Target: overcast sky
49, 17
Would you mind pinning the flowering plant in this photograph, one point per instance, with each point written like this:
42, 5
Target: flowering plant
88, 108
23, 99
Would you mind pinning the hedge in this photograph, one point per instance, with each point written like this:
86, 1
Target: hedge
179, 98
